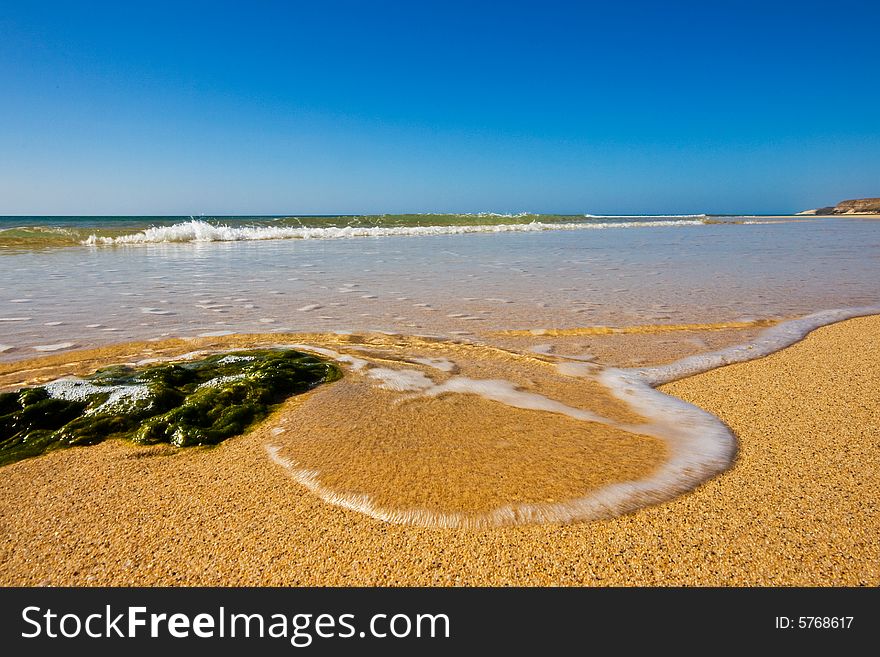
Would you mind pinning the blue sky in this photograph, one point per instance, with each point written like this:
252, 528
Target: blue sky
323, 107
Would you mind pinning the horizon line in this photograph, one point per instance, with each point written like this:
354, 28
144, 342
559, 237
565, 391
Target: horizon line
424, 213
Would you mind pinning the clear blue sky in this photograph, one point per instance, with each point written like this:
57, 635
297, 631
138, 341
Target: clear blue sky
323, 107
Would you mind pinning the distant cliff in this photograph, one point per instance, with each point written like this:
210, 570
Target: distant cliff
853, 206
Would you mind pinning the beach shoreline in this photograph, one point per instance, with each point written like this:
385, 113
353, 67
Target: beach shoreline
799, 506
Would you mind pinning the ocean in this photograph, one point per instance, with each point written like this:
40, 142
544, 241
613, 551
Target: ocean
88, 281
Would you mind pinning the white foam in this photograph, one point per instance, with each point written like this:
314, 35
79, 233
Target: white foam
507, 393
118, 396
701, 446
770, 340
234, 359
400, 380
53, 347
218, 381
200, 231
15, 319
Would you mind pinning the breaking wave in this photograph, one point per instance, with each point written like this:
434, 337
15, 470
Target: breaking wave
201, 231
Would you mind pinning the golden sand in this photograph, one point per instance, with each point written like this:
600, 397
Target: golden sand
457, 454
800, 505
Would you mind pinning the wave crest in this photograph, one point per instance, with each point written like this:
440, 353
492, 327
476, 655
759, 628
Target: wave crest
201, 231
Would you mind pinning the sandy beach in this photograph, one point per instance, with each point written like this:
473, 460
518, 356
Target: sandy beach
313, 330
798, 507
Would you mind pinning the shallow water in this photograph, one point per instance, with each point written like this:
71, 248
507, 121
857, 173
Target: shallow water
460, 284
521, 409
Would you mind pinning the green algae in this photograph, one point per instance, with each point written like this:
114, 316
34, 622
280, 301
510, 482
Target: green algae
181, 403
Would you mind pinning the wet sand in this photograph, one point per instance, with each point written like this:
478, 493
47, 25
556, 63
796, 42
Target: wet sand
799, 506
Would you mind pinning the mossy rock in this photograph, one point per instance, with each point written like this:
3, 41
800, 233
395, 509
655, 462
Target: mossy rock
185, 403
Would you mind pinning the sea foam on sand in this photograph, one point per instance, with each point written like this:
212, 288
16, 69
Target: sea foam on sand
701, 446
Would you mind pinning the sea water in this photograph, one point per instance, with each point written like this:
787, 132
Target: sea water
437, 280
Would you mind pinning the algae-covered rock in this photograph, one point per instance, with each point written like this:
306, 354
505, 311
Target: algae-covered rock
184, 403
